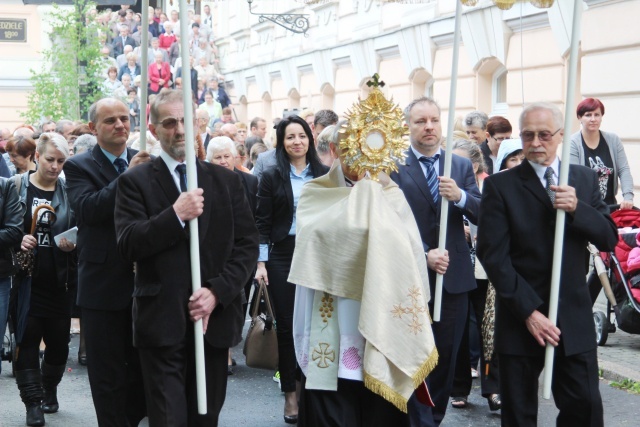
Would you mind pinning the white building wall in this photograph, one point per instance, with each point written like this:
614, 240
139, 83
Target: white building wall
410, 46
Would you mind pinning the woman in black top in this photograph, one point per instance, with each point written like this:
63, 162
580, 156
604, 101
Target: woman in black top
278, 194
45, 296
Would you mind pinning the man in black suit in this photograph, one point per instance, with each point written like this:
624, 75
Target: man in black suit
122, 40
515, 245
424, 165
152, 211
105, 279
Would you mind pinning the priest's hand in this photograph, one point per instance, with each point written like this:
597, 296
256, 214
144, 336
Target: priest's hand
542, 329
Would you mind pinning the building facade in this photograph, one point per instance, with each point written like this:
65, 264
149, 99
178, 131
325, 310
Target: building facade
507, 58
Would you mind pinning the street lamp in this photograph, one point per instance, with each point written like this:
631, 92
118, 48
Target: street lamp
294, 22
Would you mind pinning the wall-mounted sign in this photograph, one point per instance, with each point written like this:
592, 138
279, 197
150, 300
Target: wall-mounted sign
13, 30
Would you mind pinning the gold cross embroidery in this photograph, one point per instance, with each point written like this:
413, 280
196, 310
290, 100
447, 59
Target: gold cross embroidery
323, 355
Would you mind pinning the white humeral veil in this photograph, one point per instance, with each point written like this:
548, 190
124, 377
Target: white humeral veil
361, 244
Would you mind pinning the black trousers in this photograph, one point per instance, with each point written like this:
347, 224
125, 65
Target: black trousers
575, 389
448, 335
351, 405
113, 367
54, 332
282, 294
170, 383
462, 381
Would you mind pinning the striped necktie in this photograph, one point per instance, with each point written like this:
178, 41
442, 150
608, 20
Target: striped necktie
431, 175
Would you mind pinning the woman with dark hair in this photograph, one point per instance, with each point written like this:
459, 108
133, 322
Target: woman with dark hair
22, 151
602, 152
278, 194
498, 129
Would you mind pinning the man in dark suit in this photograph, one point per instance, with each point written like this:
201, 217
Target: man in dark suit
122, 40
418, 178
151, 217
105, 279
515, 245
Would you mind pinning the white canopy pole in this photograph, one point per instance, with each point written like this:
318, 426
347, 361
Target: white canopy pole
444, 209
564, 179
144, 73
192, 184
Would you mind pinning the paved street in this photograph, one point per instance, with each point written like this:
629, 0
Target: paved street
254, 400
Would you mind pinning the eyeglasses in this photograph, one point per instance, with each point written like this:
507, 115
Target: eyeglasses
501, 138
171, 122
543, 135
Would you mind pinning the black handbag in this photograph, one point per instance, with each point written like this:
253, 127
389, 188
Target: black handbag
261, 343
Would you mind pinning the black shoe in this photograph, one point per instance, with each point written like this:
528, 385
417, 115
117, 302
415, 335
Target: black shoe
291, 419
35, 416
229, 369
494, 402
51, 376
82, 358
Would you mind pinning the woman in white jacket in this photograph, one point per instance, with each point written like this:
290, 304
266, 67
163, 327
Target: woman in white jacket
602, 152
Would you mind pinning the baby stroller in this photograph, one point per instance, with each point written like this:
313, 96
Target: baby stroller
620, 280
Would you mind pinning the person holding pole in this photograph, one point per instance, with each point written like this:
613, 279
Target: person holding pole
152, 210
421, 180
519, 261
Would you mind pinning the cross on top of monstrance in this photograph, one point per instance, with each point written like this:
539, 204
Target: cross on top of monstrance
375, 138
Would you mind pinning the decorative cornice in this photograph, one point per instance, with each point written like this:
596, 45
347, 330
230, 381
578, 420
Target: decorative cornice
530, 22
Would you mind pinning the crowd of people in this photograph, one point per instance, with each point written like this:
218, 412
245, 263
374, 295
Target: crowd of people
129, 263
120, 35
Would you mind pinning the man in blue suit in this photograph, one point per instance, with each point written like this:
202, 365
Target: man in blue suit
424, 187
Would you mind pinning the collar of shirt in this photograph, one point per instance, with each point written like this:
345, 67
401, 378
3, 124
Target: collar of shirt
306, 173
436, 164
540, 170
171, 165
113, 158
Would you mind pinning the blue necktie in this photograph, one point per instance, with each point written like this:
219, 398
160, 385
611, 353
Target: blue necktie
432, 175
121, 165
182, 170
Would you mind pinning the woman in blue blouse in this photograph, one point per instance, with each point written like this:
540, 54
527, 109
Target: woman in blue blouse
278, 194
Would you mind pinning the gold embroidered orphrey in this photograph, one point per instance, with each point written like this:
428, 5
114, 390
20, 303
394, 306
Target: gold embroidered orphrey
375, 139
413, 310
323, 355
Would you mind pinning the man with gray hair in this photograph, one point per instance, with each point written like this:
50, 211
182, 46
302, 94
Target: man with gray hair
153, 207
519, 264
475, 124
322, 119
64, 128
105, 278
326, 144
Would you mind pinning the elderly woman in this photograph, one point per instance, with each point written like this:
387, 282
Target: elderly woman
159, 74
131, 67
278, 194
22, 150
112, 83
47, 293
167, 38
603, 152
475, 124
222, 152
